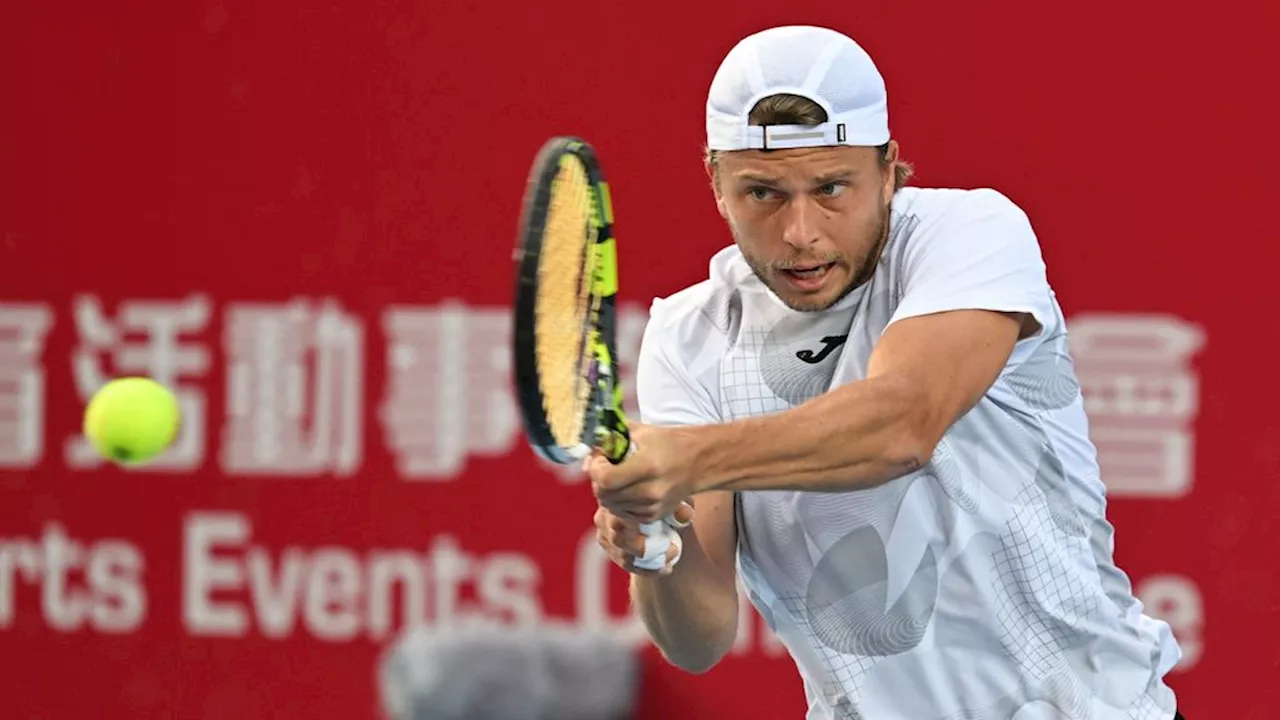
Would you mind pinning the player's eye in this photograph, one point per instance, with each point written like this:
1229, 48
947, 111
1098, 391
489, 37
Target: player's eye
760, 192
831, 189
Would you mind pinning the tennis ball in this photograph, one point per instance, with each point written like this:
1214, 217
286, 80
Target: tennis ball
131, 420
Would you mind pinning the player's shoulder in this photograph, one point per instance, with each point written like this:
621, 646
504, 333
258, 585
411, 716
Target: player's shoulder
711, 306
947, 221
952, 206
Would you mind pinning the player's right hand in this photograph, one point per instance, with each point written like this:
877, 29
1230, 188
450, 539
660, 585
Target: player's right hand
623, 542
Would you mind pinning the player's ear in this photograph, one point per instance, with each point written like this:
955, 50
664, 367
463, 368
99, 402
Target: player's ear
890, 164
720, 203
713, 174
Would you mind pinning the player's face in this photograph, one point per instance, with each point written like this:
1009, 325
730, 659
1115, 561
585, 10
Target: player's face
811, 222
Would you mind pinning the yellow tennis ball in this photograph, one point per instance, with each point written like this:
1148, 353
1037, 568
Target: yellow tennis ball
132, 420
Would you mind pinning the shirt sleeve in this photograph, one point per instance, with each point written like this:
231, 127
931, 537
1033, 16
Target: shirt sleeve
982, 255
665, 391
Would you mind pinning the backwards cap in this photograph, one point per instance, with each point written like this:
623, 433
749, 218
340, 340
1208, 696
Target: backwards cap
822, 65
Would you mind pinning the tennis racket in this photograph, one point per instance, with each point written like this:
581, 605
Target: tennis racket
566, 367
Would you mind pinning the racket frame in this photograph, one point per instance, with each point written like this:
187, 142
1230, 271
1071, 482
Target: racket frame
605, 425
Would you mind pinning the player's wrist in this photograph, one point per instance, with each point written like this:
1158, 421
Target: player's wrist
707, 450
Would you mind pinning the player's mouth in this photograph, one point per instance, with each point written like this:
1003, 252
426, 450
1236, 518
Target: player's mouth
808, 277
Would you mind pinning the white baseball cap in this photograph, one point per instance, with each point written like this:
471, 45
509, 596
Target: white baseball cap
818, 63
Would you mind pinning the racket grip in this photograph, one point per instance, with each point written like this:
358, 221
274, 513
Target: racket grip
659, 536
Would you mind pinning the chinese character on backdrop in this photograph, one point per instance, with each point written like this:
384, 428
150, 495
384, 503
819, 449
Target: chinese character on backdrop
150, 338
23, 328
1142, 395
295, 389
449, 391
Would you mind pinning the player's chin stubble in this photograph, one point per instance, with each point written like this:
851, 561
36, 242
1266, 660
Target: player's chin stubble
861, 272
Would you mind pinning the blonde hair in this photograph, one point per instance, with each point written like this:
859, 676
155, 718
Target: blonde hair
785, 109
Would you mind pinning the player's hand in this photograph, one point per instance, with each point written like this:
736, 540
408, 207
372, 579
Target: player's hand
623, 542
653, 481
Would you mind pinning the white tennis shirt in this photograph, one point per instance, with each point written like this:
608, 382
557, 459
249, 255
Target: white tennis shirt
981, 587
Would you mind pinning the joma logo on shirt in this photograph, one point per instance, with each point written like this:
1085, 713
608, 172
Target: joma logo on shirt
829, 343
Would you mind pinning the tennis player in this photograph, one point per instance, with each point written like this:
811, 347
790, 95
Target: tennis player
870, 406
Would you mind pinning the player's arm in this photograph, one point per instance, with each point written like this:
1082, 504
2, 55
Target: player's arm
973, 289
691, 613
925, 373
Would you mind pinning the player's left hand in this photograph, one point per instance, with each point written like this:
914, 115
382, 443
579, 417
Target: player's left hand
652, 481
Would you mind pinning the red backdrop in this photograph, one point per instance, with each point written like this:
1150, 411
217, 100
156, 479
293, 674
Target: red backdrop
301, 214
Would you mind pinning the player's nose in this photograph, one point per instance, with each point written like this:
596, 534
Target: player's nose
800, 229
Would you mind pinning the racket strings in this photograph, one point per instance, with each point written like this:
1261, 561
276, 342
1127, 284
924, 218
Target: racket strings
565, 307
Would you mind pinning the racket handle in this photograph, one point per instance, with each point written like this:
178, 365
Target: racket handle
660, 535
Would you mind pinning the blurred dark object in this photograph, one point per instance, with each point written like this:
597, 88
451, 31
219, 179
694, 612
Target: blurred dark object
544, 673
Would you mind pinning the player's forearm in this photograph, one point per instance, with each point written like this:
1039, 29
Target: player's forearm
857, 436
691, 614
